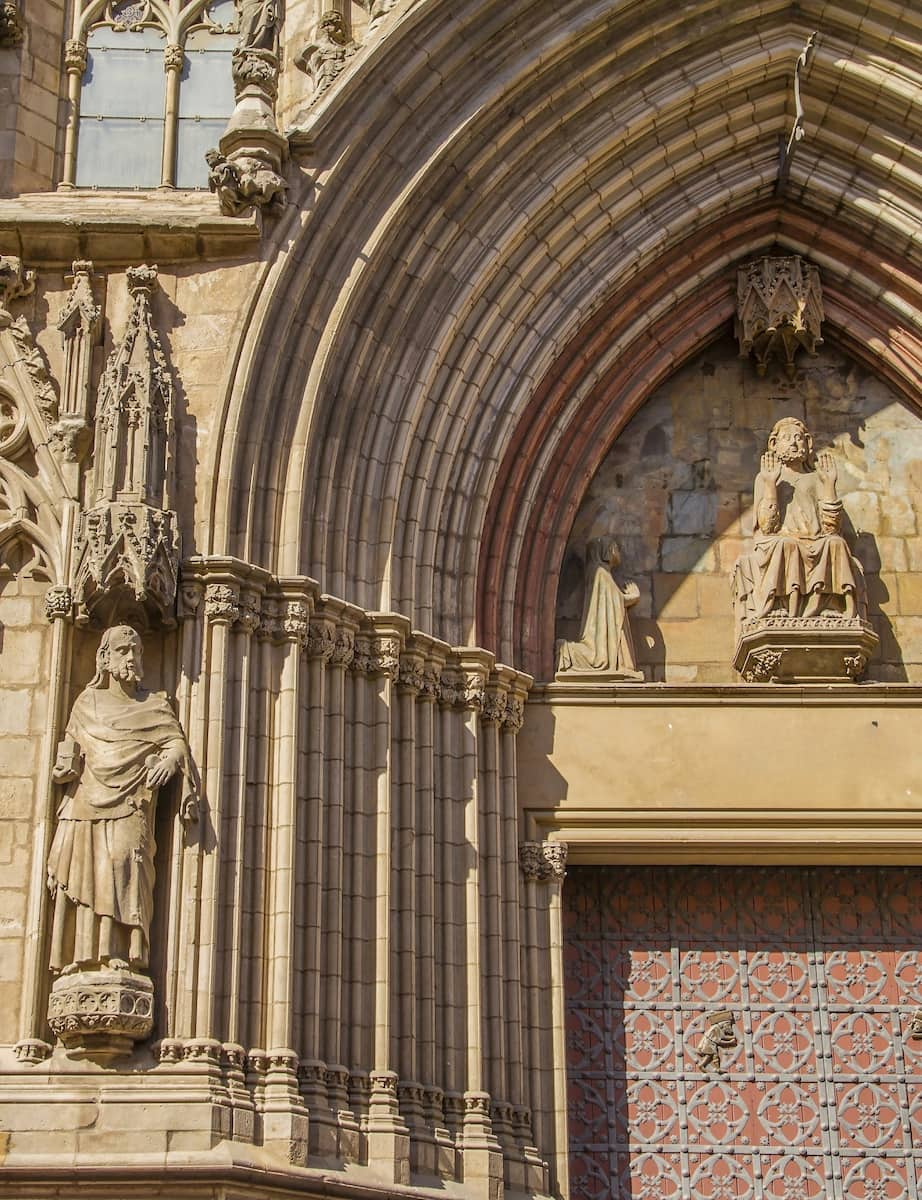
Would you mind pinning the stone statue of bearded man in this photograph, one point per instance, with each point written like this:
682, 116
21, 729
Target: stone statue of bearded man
122, 744
800, 564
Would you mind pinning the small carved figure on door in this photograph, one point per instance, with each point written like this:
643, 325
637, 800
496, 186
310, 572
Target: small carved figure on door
718, 1035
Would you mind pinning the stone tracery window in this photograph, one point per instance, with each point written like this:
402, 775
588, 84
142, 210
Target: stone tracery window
149, 90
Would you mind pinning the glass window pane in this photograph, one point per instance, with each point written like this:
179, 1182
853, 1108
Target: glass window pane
195, 137
127, 81
206, 85
118, 152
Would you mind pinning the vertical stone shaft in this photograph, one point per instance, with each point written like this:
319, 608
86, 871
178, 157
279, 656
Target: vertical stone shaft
404, 1053
334, 966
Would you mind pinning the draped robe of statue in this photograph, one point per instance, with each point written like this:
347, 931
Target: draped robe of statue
605, 644
102, 856
799, 560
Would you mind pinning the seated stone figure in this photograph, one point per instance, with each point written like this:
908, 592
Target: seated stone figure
800, 565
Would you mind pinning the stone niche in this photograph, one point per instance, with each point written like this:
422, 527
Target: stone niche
676, 491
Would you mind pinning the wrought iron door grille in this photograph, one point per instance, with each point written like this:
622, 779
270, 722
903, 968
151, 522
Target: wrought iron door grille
820, 971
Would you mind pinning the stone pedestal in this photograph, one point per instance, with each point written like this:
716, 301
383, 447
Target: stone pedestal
101, 1014
823, 649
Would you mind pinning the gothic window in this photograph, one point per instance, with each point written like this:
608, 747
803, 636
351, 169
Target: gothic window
150, 91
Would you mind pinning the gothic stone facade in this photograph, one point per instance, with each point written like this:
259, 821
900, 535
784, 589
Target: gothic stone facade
509, 465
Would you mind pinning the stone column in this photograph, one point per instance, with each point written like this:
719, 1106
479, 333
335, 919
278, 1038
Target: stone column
285, 1118
482, 1161
75, 60
544, 867
388, 1138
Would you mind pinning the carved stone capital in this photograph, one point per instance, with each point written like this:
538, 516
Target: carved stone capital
100, 1014
222, 603
410, 673
344, 648
495, 699
58, 603
250, 610
473, 684
321, 640
191, 595
172, 57
543, 861
514, 717
16, 281
75, 57
270, 620
296, 621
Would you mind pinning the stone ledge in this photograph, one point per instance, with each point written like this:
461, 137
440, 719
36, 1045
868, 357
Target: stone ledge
665, 695
49, 229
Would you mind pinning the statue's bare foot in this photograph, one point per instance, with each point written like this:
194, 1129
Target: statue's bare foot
118, 964
70, 969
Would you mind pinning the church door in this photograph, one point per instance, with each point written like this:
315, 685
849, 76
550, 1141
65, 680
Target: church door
744, 1033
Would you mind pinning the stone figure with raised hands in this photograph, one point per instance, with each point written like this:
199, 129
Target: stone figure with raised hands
605, 647
800, 564
122, 744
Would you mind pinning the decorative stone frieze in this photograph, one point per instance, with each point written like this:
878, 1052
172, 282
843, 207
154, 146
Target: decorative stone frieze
543, 861
779, 309
101, 1013
127, 542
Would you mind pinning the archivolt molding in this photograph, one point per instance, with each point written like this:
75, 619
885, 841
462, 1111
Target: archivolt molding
450, 254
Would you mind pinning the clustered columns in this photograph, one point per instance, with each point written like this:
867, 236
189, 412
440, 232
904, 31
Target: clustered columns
344, 940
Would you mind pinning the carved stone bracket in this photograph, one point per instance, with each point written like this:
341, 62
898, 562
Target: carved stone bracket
100, 1014
245, 171
821, 649
543, 861
779, 309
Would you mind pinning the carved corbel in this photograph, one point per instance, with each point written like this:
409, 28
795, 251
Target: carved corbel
245, 170
779, 310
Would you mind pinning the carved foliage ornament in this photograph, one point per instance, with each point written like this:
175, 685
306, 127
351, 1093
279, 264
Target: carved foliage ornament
779, 309
543, 861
